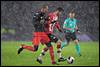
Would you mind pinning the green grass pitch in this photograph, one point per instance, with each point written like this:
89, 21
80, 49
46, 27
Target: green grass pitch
9, 57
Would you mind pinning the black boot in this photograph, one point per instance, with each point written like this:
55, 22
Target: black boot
61, 59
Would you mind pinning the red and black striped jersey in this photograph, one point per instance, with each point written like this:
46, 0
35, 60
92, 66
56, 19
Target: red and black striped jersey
51, 23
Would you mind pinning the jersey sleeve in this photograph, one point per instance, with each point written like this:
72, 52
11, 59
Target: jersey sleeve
65, 22
77, 21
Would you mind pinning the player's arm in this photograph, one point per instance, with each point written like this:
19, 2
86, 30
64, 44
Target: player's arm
35, 17
77, 29
57, 25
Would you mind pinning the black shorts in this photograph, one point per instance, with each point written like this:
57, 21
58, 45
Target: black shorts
53, 38
70, 36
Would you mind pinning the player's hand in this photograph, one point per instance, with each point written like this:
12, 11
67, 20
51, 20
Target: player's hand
79, 32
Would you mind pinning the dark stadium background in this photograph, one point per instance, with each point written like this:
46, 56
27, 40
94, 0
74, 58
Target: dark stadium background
16, 18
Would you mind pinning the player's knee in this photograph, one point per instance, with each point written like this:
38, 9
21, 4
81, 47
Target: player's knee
58, 44
76, 41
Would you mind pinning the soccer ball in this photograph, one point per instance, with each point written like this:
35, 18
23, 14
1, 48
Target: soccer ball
70, 59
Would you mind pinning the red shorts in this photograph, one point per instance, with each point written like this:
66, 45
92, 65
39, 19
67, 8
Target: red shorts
40, 37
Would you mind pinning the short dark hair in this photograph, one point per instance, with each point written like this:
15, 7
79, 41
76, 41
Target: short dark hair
60, 9
72, 11
44, 6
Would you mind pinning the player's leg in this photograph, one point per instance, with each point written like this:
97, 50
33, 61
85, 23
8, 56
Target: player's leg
60, 58
30, 48
20, 49
51, 52
35, 42
63, 44
39, 58
67, 41
47, 41
77, 45
23, 46
58, 42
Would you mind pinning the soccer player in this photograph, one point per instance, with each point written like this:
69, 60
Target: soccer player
70, 27
49, 27
64, 42
39, 34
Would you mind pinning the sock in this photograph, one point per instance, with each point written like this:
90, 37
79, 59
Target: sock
59, 53
42, 53
77, 47
59, 50
51, 53
63, 44
30, 48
